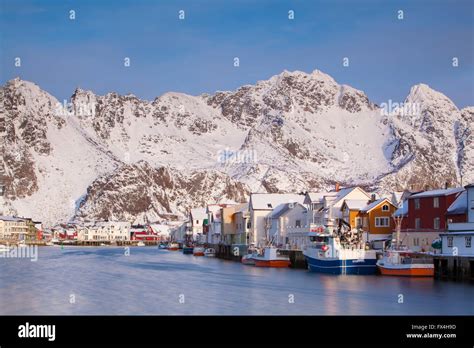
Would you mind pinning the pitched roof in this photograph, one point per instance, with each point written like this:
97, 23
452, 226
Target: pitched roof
355, 204
269, 201
281, 209
198, 213
10, 218
372, 205
434, 193
345, 191
459, 206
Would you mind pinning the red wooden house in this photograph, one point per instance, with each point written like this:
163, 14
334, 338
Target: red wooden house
426, 217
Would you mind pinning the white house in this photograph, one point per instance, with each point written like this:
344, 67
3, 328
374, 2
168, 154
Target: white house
13, 228
458, 240
260, 206
242, 224
106, 231
196, 219
213, 223
289, 225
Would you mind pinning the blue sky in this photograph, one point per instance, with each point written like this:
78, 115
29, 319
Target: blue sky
386, 55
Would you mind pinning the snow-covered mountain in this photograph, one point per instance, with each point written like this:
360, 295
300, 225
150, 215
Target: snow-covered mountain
120, 157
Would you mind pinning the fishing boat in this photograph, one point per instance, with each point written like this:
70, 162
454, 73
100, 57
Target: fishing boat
327, 253
198, 251
270, 257
162, 246
188, 249
210, 252
248, 258
398, 260
173, 246
405, 263
49, 244
140, 244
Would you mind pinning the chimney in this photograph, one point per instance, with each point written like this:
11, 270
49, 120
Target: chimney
337, 187
372, 198
446, 185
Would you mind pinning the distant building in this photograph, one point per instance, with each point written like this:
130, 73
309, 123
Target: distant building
289, 226
458, 240
196, 219
105, 231
426, 217
374, 218
13, 228
261, 205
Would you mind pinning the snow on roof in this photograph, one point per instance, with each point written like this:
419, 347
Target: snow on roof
283, 208
441, 192
355, 204
345, 191
199, 213
10, 218
269, 201
372, 205
242, 208
317, 196
459, 206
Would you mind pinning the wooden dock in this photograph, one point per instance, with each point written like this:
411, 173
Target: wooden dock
458, 268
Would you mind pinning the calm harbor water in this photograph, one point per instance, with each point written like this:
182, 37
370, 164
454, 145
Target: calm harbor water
89, 280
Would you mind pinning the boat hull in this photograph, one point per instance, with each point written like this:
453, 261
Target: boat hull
248, 261
336, 266
188, 250
407, 272
173, 248
272, 263
199, 253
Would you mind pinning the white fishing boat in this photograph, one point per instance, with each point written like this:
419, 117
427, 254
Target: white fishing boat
198, 251
140, 244
398, 260
173, 246
326, 253
271, 257
49, 244
337, 248
210, 252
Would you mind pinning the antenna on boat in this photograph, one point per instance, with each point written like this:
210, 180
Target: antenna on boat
398, 227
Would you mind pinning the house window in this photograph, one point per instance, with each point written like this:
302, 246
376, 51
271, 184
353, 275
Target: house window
467, 240
366, 222
249, 224
417, 223
435, 202
450, 242
358, 222
417, 203
436, 223
298, 223
416, 242
385, 207
382, 222
197, 222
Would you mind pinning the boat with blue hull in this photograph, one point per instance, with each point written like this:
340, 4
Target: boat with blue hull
326, 254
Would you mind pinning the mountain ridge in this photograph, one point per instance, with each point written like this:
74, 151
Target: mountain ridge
298, 132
